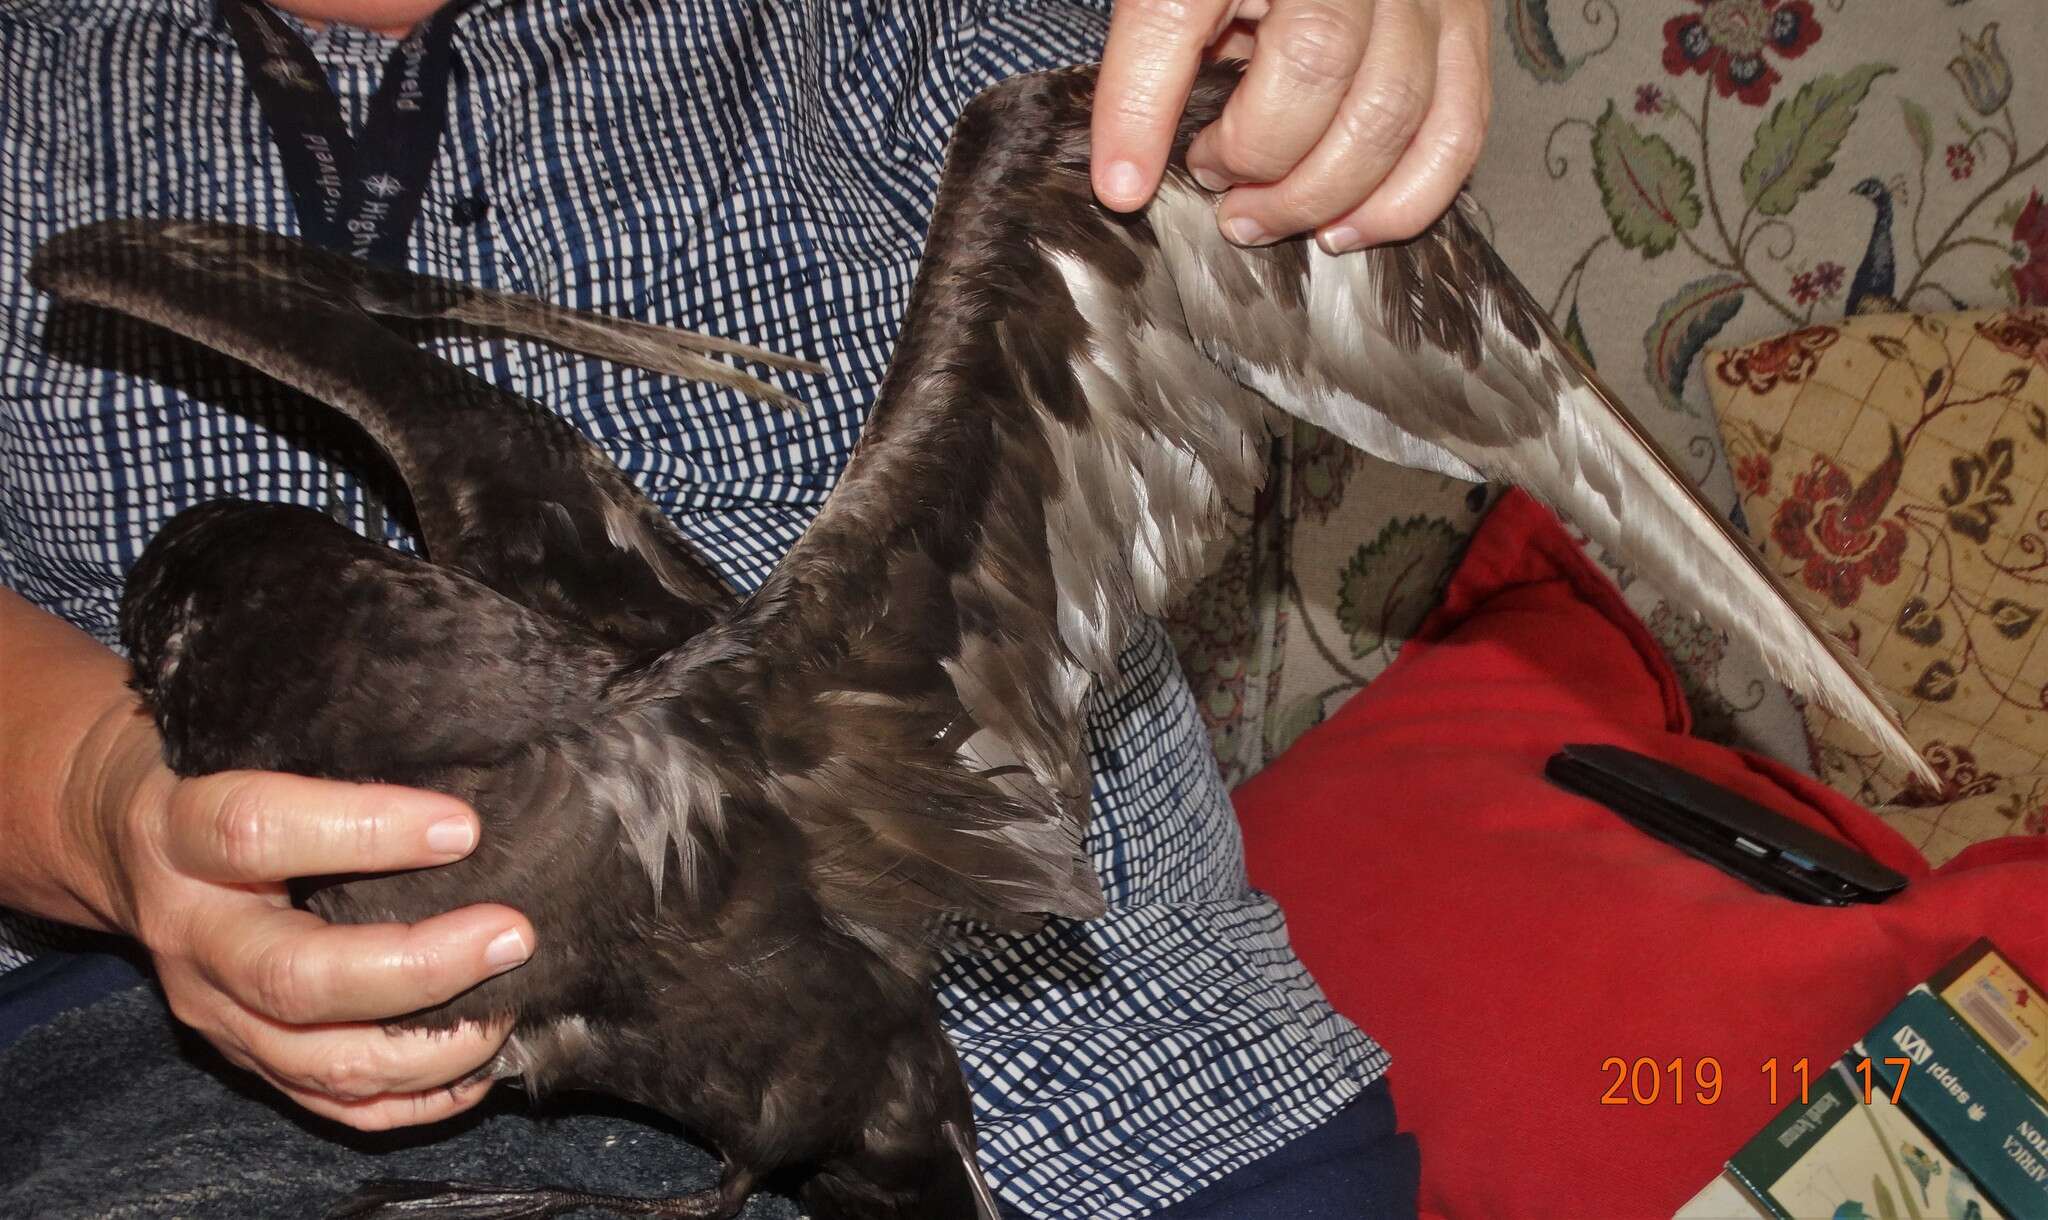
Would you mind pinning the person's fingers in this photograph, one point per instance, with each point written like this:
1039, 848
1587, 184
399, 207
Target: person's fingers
351, 1063
1446, 147
1302, 64
1235, 42
1148, 67
282, 992
1374, 125
246, 826
291, 966
392, 1110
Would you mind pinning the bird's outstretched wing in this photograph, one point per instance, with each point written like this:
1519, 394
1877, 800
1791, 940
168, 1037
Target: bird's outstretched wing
1075, 397
504, 490
1431, 353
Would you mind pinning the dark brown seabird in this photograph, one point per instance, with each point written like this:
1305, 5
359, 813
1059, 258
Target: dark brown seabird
734, 822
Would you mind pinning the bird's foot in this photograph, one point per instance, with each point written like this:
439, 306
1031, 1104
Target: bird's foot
399, 1199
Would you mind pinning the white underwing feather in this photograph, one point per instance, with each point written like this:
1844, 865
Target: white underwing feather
1171, 441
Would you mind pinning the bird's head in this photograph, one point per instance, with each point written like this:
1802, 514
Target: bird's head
160, 604
1872, 189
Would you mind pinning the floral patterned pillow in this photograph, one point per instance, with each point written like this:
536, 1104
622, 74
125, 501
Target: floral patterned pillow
1895, 469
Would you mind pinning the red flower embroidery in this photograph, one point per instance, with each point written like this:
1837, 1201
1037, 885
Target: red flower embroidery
1790, 358
1649, 99
2030, 278
2022, 332
1839, 531
1961, 776
1727, 39
1819, 283
1961, 161
1753, 474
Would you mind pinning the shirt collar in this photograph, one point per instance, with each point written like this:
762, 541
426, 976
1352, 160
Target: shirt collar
329, 45
335, 43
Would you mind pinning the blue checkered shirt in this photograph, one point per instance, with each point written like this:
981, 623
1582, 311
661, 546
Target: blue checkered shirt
761, 170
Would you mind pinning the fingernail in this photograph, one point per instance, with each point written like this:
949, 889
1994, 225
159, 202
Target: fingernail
507, 950
452, 836
1210, 180
1244, 231
1339, 240
1123, 181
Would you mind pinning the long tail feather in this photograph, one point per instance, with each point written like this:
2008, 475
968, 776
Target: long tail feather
658, 349
234, 250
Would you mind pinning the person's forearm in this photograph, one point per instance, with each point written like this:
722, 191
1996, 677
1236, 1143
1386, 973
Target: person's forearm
70, 729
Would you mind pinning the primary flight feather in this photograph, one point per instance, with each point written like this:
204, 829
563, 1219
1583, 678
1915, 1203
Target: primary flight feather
733, 821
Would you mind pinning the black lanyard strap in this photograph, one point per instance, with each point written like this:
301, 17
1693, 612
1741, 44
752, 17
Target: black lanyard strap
356, 195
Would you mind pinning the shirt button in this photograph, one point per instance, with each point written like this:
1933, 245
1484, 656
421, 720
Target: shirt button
471, 210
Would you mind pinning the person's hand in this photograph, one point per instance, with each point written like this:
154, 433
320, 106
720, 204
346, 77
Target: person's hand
195, 870
1358, 119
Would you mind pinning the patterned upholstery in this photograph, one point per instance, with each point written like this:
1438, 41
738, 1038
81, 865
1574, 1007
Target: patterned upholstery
1892, 467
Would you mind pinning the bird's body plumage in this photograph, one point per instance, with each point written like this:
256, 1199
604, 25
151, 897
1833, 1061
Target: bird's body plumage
733, 821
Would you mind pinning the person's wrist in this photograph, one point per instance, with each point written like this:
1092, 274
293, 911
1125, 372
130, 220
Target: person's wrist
115, 775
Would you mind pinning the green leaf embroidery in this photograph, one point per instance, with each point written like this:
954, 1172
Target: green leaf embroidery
1918, 126
1646, 187
1392, 581
1286, 728
1575, 334
1684, 325
1535, 46
1795, 147
2002, 281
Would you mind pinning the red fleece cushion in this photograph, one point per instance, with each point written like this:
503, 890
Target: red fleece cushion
1502, 938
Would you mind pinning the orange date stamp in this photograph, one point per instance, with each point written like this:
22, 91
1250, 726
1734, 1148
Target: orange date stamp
1700, 1081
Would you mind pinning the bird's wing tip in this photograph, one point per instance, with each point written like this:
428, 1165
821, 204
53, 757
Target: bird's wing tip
984, 1198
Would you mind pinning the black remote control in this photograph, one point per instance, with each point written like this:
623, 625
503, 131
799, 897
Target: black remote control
1727, 830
